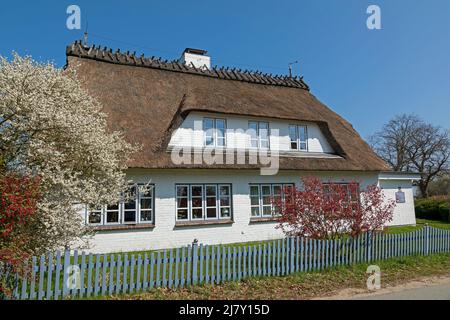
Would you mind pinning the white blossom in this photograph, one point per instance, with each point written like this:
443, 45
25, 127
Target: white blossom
52, 128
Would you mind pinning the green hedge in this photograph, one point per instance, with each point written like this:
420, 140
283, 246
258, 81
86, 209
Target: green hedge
436, 208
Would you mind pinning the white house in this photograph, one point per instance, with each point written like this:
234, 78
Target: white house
217, 145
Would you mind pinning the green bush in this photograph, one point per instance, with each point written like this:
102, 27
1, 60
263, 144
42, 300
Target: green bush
436, 208
444, 211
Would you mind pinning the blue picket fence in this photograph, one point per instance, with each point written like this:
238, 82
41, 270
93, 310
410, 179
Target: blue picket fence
75, 275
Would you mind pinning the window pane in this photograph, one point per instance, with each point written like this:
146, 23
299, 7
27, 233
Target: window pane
182, 214
131, 204
146, 203
254, 201
294, 146
254, 190
255, 211
130, 216
146, 191
211, 212
209, 139
95, 217
114, 207
221, 141
208, 124
224, 190
302, 133
197, 202
265, 144
131, 198
303, 146
182, 191
182, 202
220, 124
210, 190
267, 211
112, 217
277, 190
265, 190
253, 133
211, 201
225, 212
197, 213
293, 133
196, 191
146, 216
263, 130
225, 201
266, 200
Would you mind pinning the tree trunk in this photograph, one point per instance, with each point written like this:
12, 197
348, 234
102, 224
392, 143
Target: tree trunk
423, 186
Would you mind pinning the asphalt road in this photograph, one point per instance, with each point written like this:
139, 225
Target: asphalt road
434, 292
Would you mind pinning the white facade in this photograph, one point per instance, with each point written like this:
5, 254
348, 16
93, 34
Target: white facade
166, 234
191, 133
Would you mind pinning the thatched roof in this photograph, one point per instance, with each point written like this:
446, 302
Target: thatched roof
148, 98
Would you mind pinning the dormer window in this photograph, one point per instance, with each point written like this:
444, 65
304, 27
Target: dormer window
259, 134
215, 132
299, 137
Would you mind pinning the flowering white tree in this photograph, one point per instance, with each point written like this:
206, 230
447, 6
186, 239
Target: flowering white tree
51, 128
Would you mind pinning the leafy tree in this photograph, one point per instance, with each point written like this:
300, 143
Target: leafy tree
327, 210
18, 206
52, 129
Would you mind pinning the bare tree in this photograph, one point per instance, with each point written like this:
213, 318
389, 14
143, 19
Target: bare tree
392, 142
407, 143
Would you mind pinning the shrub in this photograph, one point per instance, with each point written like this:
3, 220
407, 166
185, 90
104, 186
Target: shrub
435, 208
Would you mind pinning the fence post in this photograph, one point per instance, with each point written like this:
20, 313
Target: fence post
427, 239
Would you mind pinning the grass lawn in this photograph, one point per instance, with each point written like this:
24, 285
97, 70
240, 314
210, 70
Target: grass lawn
309, 285
420, 224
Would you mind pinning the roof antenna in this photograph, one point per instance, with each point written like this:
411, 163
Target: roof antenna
290, 68
86, 34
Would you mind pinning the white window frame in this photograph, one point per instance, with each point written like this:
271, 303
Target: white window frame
204, 203
298, 141
202, 197
259, 200
258, 138
105, 208
216, 188
215, 137
260, 197
121, 210
230, 199
187, 202
152, 210
88, 213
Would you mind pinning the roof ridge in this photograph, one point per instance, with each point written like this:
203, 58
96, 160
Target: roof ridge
77, 49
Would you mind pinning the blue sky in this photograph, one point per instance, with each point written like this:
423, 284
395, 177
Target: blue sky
367, 76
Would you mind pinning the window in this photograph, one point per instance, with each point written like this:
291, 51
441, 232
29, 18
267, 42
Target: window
299, 137
95, 216
215, 132
259, 134
352, 194
197, 202
136, 207
261, 196
130, 206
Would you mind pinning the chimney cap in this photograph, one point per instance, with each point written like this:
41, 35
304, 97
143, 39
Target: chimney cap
195, 51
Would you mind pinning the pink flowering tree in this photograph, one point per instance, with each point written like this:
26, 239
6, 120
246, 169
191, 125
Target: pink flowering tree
326, 210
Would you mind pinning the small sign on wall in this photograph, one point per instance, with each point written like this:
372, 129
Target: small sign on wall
400, 196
